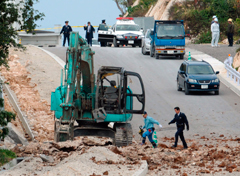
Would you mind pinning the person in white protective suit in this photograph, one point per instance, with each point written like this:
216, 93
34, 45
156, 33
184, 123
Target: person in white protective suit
215, 33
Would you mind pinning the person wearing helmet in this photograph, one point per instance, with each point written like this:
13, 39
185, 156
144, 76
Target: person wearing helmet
215, 33
214, 16
230, 32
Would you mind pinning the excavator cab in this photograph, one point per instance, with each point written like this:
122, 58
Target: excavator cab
116, 96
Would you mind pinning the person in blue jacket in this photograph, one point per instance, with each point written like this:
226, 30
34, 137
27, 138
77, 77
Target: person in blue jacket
66, 29
149, 125
181, 120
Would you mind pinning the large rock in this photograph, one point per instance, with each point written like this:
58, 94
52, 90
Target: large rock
236, 61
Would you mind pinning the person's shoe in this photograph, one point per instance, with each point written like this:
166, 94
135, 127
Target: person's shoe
185, 148
173, 146
154, 145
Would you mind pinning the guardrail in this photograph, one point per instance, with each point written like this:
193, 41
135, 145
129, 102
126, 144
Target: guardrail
232, 73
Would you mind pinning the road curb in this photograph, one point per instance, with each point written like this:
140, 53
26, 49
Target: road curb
56, 58
217, 66
143, 169
16, 107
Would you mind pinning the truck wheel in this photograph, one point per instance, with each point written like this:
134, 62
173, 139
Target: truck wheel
181, 56
151, 52
133, 46
157, 56
115, 42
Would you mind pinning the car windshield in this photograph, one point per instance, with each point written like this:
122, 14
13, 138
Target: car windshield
200, 69
103, 27
148, 34
127, 28
170, 30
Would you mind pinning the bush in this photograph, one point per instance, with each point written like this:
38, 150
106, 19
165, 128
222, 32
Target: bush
198, 16
205, 37
6, 156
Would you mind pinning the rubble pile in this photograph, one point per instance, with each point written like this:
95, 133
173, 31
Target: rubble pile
38, 111
221, 156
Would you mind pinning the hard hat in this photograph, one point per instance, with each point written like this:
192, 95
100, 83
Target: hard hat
229, 55
215, 19
214, 16
230, 19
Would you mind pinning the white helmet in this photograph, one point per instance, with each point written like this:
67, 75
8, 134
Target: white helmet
215, 19
214, 16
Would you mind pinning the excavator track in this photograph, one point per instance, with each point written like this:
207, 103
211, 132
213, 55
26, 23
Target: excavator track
123, 135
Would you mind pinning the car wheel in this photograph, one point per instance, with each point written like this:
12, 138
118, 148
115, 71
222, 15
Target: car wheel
181, 56
217, 92
178, 86
143, 51
133, 46
115, 42
186, 89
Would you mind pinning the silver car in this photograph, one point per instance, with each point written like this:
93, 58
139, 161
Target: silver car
146, 42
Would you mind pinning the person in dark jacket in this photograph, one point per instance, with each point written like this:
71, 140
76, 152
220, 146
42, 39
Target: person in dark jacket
66, 29
101, 26
230, 32
180, 119
89, 33
149, 125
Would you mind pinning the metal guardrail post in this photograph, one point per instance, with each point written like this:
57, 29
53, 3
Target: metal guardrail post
235, 75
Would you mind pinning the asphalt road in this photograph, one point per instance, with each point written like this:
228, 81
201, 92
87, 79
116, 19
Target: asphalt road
206, 112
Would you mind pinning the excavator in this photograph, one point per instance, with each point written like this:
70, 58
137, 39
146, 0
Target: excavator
85, 105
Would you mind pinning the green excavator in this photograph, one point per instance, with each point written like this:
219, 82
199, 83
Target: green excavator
85, 105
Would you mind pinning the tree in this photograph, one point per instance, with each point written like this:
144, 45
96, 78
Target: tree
10, 13
123, 5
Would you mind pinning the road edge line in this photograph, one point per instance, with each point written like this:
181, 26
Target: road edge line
56, 58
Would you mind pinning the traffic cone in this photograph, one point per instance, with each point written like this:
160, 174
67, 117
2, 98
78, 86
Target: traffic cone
189, 56
155, 138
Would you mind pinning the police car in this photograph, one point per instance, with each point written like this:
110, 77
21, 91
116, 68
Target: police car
123, 32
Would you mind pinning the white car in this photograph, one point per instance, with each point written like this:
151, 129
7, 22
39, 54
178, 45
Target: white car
146, 42
123, 32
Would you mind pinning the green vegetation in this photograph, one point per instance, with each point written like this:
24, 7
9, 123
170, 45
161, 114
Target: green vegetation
140, 9
198, 16
6, 156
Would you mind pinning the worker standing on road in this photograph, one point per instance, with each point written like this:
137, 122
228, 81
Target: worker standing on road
89, 33
230, 32
149, 125
180, 119
215, 33
101, 27
213, 18
66, 29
